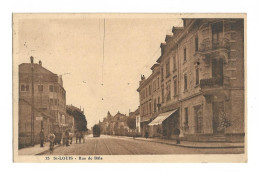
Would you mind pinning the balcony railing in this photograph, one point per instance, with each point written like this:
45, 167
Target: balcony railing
208, 44
214, 82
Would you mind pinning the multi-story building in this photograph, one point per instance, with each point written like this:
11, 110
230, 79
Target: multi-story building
202, 81
43, 91
150, 98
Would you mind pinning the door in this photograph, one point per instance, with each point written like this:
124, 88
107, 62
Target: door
217, 71
198, 119
218, 109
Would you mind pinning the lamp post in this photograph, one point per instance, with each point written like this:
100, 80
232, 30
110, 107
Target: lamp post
32, 107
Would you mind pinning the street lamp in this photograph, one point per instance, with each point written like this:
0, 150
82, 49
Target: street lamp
32, 107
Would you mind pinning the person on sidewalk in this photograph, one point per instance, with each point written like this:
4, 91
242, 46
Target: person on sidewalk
146, 134
177, 133
51, 138
67, 137
42, 137
83, 136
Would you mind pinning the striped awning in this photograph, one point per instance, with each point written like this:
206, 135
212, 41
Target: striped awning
161, 117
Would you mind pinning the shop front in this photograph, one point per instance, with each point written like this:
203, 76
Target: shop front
165, 124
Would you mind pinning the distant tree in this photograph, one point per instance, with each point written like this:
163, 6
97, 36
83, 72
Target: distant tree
131, 123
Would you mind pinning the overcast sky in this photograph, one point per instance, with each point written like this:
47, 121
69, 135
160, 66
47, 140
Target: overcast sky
75, 46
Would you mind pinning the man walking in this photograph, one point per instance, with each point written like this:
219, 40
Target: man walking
42, 137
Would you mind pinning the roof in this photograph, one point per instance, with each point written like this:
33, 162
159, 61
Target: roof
26, 68
155, 65
161, 117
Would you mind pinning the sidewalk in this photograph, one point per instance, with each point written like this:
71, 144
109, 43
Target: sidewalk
189, 144
36, 149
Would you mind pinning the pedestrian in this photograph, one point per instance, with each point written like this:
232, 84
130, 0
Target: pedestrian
177, 133
67, 137
78, 137
146, 134
51, 138
70, 137
63, 139
42, 138
83, 136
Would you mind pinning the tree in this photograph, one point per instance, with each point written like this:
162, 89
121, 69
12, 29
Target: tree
131, 123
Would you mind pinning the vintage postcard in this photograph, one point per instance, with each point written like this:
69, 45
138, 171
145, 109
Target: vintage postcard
96, 88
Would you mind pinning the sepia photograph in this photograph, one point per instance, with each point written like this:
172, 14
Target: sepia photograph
103, 87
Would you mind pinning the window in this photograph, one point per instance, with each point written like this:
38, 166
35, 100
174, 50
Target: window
155, 84
186, 112
196, 43
51, 101
184, 54
150, 90
197, 76
154, 105
158, 83
168, 69
55, 101
162, 94
174, 63
185, 82
24, 88
55, 89
150, 107
146, 92
40, 88
175, 86
162, 74
51, 88
217, 33
159, 105
168, 91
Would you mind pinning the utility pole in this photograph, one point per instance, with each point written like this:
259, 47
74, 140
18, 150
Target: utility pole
32, 109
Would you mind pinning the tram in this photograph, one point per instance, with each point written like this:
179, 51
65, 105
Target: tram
96, 131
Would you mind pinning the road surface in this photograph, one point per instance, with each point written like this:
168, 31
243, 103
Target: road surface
108, 145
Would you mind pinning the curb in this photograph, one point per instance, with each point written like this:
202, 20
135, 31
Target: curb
187, 146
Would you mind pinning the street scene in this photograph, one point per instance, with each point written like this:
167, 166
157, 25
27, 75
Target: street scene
130, 86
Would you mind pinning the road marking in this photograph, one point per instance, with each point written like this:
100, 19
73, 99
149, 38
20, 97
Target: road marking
107, 147
125, 147
95, 148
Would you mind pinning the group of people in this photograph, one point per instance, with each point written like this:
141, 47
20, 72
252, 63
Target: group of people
80, 135
60, 137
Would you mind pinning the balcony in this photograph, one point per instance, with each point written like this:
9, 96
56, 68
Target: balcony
214, 82
210, 49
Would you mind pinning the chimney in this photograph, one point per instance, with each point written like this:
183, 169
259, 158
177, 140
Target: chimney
40, 63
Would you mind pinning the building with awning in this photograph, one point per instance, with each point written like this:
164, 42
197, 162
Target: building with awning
200, 72
164, 124
161, 117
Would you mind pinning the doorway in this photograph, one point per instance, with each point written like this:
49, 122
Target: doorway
217, 109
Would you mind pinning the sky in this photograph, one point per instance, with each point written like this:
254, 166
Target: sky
74, 47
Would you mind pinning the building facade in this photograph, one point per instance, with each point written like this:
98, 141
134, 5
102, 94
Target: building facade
42, 91
201, 82
150, 98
